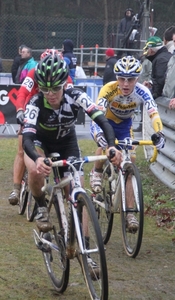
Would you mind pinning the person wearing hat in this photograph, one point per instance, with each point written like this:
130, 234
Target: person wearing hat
69, 57
126, 22
157, 53
109, 68
123, 30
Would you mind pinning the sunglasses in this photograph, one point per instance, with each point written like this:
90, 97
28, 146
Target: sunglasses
54, 90
128, 79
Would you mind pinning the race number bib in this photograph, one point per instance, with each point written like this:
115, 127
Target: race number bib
28, 83
31, 114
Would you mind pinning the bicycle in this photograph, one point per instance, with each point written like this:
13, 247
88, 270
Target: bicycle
112, 199
68, 239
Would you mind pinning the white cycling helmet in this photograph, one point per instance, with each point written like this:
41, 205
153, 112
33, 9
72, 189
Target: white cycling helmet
128, 66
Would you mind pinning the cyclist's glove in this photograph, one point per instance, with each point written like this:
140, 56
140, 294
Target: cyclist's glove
158, 140
101, 140
20, 117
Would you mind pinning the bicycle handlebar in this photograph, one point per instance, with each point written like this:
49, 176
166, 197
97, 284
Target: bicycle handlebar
64, 162
86, 159
92, 158
130, 142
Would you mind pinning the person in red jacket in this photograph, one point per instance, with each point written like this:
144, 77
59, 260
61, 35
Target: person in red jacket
28, 89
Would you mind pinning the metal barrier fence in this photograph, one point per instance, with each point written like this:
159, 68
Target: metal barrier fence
91, 59
164, 167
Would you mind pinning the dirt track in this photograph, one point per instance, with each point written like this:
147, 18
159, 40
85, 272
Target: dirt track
23, 276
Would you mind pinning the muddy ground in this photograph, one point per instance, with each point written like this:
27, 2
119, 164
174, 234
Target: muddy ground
22, 272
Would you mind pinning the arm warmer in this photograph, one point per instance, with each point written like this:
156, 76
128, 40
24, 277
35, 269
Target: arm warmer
107, 129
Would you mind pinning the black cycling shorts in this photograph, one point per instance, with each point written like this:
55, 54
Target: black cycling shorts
66, 147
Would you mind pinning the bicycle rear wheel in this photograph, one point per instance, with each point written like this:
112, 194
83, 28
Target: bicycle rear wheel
132, 239
23, 195
104, 208
56, 261
93, 261
31, 207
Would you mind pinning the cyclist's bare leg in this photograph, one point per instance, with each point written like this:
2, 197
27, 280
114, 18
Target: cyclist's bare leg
18, 172
96, 173
19, 165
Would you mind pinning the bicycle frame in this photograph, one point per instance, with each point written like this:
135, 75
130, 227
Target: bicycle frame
120, 184
75, 182
68, 237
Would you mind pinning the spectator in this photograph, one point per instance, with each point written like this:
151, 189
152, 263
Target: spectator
146, 71
158, 54
16, 63
69, 57
125, 26
27, 63
169, 87
109, 68
146, 64
168, 39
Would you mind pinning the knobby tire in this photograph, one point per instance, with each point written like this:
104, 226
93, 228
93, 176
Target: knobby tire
132, 240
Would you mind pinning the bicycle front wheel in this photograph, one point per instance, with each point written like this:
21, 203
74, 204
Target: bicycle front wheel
132, 238
56, 261
93, 259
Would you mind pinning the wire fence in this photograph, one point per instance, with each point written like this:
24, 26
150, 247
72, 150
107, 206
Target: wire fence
46, 32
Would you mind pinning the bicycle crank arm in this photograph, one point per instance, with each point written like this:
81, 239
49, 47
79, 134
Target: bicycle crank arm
42, 244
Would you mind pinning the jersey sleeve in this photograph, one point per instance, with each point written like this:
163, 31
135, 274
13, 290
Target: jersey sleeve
101, 101
29, 131
25, 90
152, 111
98, 117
